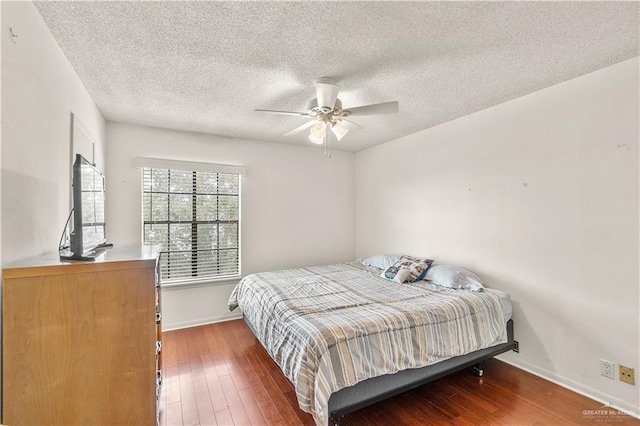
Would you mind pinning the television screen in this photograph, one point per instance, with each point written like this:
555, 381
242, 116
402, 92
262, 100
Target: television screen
92, 206
89, 225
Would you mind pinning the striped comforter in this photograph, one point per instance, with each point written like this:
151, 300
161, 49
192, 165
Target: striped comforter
330, 327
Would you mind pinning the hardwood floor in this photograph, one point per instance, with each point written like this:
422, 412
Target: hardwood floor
219, 374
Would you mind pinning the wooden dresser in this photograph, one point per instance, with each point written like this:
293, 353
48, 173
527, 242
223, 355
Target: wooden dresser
81, 341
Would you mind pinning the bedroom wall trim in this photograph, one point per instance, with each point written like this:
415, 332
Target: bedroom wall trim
589, 392
201, 321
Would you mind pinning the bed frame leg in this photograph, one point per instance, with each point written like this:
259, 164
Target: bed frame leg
478, 369
333, 421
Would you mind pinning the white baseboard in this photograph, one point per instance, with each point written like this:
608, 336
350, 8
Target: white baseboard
605, 399
202, 321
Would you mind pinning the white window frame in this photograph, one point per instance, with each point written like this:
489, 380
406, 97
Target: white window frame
189, 166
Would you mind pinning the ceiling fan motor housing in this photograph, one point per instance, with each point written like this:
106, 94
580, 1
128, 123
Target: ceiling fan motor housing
324, 112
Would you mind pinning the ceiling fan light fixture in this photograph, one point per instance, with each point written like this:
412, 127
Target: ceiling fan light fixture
316, 140
317, 133
339, 130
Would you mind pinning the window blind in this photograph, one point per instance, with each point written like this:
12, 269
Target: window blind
195, 217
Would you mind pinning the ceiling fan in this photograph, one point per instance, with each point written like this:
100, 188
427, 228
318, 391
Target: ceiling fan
327, 115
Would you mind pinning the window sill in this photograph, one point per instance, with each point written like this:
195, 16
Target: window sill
180, 285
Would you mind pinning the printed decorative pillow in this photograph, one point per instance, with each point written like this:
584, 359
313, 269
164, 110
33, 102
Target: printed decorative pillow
417, 268
407, 269
398, 272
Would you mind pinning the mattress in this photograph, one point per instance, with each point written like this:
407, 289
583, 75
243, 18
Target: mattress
331, 327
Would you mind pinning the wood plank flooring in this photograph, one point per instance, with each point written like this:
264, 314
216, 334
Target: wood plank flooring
219, 374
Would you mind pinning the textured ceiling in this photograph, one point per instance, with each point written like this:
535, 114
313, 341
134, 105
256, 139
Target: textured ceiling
205, 66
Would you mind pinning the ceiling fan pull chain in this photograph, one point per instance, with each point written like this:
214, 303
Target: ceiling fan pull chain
324, 142
327, 141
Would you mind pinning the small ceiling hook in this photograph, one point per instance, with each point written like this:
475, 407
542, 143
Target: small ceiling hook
14, 36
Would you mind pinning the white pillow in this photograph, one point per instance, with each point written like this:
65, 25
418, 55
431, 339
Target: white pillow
380, 261
454, 277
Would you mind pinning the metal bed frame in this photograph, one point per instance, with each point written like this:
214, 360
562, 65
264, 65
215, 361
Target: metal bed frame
376, 389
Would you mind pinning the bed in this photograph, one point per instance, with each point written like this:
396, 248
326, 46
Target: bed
346, 338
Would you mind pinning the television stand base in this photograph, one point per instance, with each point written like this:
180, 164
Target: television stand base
90, 256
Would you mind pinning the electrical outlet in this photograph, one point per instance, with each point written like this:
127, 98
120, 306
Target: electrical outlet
626, 375
608, 369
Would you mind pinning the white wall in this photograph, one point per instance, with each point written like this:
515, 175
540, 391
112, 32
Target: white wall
40, 89
539, 196
297, 207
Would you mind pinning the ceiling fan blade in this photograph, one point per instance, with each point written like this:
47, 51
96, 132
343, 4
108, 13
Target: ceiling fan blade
326, 93
383, 108
297, 114
350, 125
343, 126
301, 128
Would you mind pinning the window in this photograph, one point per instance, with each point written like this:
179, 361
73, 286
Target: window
195, 217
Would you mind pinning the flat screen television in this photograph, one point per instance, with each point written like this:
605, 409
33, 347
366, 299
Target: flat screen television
88, 236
